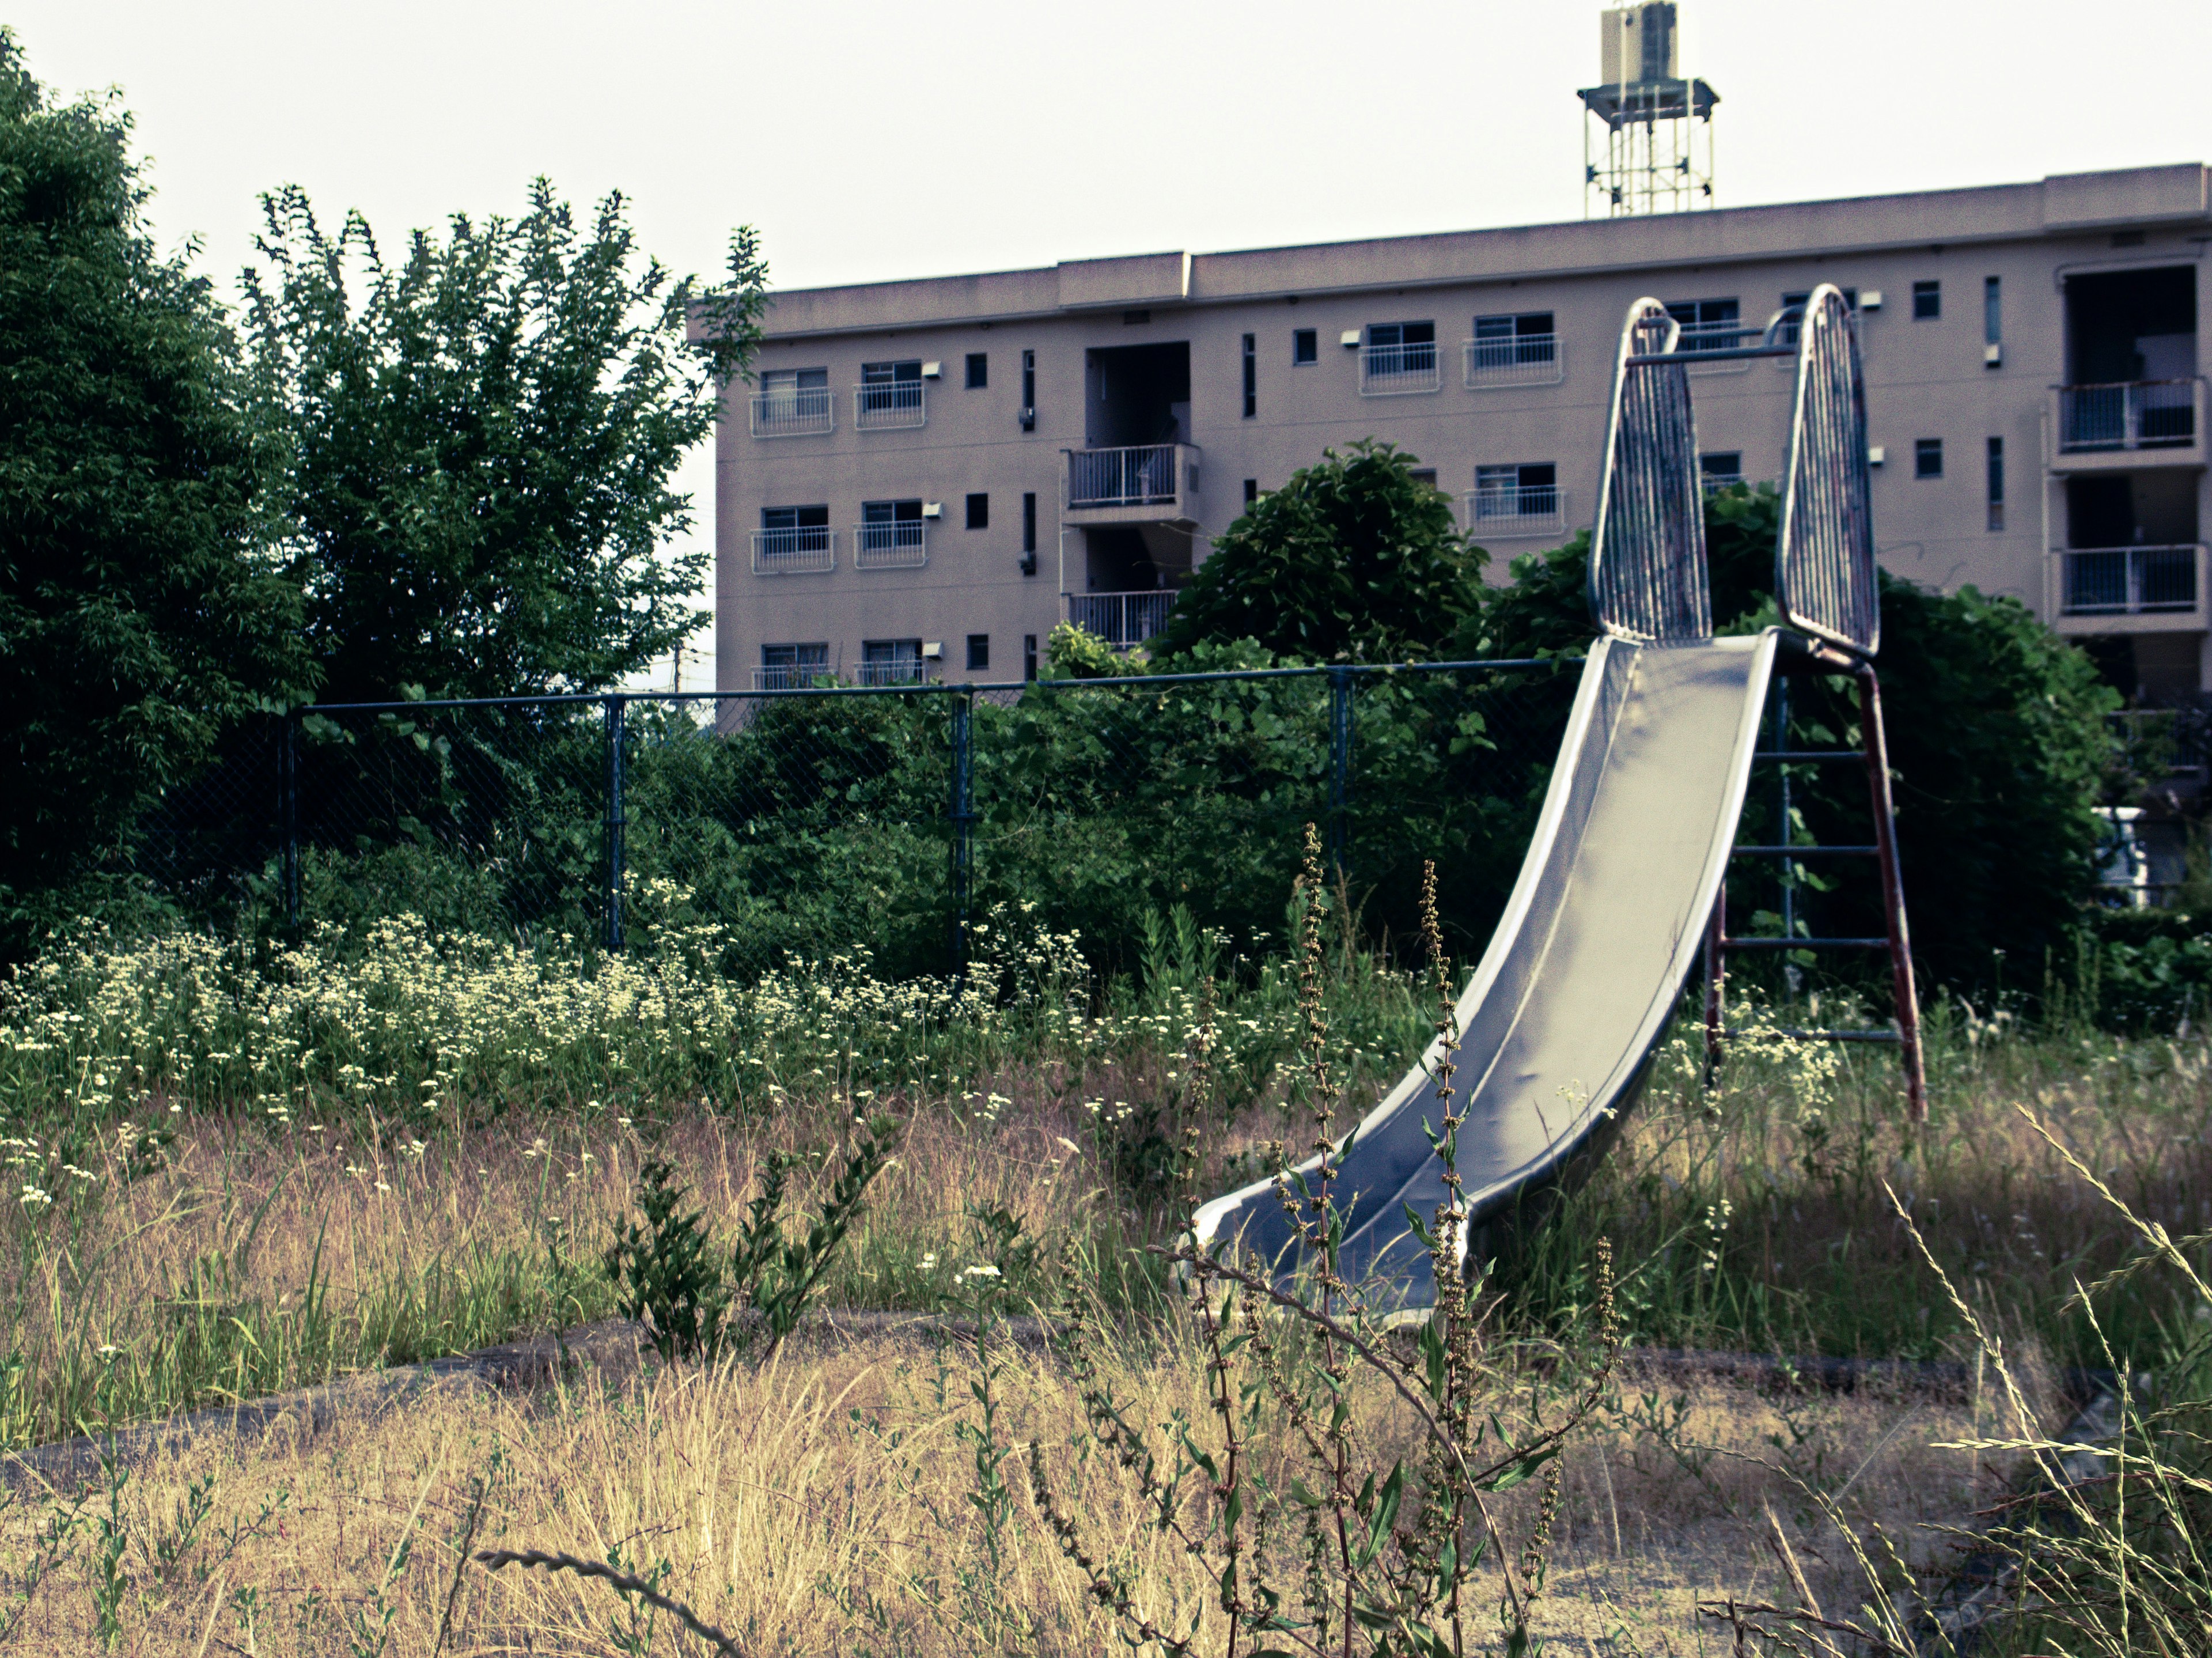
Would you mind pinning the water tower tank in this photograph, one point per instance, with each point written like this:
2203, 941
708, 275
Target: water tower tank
1637, 43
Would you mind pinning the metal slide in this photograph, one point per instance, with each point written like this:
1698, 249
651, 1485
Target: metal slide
1564, 1014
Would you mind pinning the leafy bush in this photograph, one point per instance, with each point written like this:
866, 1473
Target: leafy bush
1354, 559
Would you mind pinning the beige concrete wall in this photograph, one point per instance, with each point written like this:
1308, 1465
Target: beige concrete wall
1925, 378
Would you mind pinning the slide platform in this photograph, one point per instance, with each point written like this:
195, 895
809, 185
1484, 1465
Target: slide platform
1564, 1013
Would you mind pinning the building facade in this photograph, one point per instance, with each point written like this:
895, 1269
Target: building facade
927, 476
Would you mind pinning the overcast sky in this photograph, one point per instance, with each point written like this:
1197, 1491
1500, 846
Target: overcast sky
875, 141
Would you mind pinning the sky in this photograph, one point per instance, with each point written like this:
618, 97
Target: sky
874, 141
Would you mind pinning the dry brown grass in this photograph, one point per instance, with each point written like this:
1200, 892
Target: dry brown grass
817, 1504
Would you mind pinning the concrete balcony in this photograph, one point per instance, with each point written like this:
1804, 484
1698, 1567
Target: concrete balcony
1150, 484
2135, 423
1122, 620
2123, 589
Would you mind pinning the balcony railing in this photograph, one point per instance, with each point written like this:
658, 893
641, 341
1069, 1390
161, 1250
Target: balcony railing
803, 551
886, 405
1147, 476
793, 411
1540, 510
1523, 360
2128, 580
2135, 414
897, 671
900, 544
792, 677
1122, 620
1392, 370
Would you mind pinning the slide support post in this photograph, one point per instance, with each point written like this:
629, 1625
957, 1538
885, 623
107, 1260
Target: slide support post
1893, 892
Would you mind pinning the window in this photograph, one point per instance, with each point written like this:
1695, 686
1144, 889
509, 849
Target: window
1721, 470
890, 662
979, 652
1029, 382
1306, 346
1517, 349
890, 394
1992, 322
1926, 301
1707, 324
1995, 473
1029, 521
979, 370
1424, 474
1251, 375
786, 667
893, 535
1029, 656
792, 538
1401, 357
1518, 499
792, 400
979, 512
1928, 458
799, 519
1251, 490
1526, 336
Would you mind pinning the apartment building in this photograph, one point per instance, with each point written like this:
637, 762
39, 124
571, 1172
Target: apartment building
927, 476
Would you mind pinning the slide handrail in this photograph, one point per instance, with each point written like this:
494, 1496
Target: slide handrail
1647, 559
1824, 556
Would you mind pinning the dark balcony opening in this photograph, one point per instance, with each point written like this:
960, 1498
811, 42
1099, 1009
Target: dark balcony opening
2123, 327
2151, 670
1136, 558
2153, 507
1137, 394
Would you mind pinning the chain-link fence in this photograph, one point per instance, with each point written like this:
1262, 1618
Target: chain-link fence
808, 820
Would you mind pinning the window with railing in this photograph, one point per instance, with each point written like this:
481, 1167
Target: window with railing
793, 541
889, 395
792, 667
1519, 349
890, 662
2130, 580
892, 535
1723, 469
1523, 500
1145, 475
1707, 324
793, 402
1122, 620
2136, 415
1399, 357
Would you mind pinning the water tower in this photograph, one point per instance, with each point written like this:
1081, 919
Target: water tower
1647, 132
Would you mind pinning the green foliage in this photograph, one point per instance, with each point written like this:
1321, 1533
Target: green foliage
663, 1273
136, 616
1072, 653
667, 1277
1354, 559
481, 439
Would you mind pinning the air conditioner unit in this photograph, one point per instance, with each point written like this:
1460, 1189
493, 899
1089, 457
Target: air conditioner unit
1992, 356
933, 509
1349, 338
1875, 455
931, 371
1029, 420
933, 650
1870, 300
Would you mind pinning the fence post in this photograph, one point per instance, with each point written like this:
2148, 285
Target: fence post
962, 815
615, 708
288, 790
1339, 769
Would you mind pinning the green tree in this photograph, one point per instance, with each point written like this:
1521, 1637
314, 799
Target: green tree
481, 437
136, 615
1354, 560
